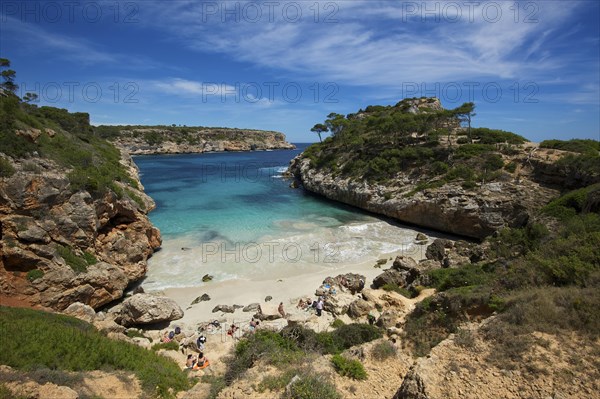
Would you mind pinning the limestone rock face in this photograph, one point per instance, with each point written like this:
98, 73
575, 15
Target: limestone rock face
475, 213
147, 309
84, 248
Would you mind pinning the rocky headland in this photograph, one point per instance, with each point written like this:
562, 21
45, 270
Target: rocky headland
436, 178
147, 140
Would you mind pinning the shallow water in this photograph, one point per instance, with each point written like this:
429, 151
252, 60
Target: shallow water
232, 215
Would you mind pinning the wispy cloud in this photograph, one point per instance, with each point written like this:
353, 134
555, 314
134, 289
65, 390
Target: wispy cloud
375, 43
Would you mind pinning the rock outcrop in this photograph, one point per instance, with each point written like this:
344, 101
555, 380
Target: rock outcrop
59, 246
475, 213
150, 140
147, 309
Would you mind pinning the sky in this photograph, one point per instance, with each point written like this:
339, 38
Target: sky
531, 67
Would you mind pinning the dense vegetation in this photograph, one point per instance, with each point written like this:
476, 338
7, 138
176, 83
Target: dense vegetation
35, 341
541, 279
156, 135
291, 351
379, 142
66, 138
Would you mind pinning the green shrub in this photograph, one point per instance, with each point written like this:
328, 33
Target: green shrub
34, 274
582, 146
6, 168
571, 203
337, 323
349, 367
383, 350
493, 162
467, 151
312, 386
465, 276
273, 348
59, 342
494, 136
511, 167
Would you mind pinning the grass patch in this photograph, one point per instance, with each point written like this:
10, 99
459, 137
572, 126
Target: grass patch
168, 346
59, 342
277, 382
349, 367
34, 274
400, 290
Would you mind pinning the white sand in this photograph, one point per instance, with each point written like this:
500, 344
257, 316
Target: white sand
245, 292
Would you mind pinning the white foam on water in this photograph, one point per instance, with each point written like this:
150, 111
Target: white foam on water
305, 247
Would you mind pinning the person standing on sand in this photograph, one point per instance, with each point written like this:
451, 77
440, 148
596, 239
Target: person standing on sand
280, 310
320, 306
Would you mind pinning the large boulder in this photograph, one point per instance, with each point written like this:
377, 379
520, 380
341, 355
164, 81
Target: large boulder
338, 304
359, 308
147, 309
390, 276
268, 312
437, 249
223, 308
81, 311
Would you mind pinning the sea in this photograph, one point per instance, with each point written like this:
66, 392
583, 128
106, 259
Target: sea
233, 215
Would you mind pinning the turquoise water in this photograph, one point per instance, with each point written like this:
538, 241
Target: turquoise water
232, 215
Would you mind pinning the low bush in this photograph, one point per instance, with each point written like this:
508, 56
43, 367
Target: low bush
349, 367
383, 350
6, 168
311, 386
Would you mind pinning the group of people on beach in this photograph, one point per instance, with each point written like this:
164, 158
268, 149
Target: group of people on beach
309, 304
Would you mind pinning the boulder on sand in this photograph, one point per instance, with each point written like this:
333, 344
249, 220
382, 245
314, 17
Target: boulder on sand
147, 309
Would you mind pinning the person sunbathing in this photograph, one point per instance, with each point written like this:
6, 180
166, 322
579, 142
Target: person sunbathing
190, 362
201, 363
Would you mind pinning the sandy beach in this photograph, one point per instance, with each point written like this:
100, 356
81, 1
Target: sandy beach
244, 292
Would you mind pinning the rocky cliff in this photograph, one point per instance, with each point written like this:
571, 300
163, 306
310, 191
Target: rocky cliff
471, 212
179, 140
413, 162
59, 246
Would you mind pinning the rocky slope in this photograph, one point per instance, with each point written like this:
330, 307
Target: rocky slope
467, 195
59, 246
148, 140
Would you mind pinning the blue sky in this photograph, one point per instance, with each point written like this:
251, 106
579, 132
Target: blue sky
531, 67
